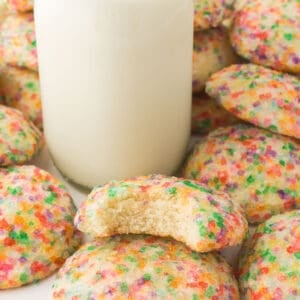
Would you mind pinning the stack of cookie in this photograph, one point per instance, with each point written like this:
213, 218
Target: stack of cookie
36, 212
19, 78
258, 164
185, 220
212, 52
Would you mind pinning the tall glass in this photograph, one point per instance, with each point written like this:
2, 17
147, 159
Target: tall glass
116, 85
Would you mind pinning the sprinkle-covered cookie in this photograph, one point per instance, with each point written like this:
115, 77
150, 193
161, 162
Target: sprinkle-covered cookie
207, 115
163, 206
143, 267
270, 260
259, 169
212, 52
19, 42
20, 5
21, 89
259, 95
268, 33
36, 225
211, 13
20, 140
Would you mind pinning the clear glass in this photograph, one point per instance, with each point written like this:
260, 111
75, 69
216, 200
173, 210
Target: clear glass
116, 85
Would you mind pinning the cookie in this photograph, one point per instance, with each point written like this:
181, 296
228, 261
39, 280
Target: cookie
163, 206
261, 96
270, 260
268, 33
259, 169
36, 225
20, 5
21, 89
211, 13
212, 52
19, 42
207, 115
143, 267
20, 140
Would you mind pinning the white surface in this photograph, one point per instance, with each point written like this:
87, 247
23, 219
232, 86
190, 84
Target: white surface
116, 76
42, 290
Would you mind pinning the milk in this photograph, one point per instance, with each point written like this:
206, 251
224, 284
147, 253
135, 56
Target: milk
116, 85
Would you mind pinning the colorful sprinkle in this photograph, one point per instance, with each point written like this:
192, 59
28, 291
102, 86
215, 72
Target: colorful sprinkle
212, 52
269, 265
19, 42
268, 33
36, 236
21, 90
157, 269
207, 115
211, 13
263, 97
258, 169
20, 140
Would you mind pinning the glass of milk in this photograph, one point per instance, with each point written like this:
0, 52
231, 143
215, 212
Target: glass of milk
116, 85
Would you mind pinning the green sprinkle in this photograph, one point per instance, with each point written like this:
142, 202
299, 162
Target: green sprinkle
23, 277
211, 236
195, 297
122, 268
219, 219
231, 151
68, 218
195, 255
91, 248
147, 277
124, 287
250, 179
289, 36
247, 276
15, 191
291, 147
51, 198
30, 85
252, 85
131, 258
267, 229
196, 186
282, 162
172, 191
297, 255
202, 230
204, 125
273, 128
20, 237
210, 292
143, 249
112, 192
